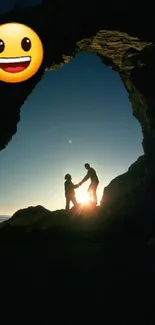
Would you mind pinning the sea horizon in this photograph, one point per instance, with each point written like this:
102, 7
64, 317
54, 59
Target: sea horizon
4, 217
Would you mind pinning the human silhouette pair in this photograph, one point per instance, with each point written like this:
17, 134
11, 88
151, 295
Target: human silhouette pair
70, 187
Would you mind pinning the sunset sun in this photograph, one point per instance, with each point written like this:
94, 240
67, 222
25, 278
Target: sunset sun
82, 196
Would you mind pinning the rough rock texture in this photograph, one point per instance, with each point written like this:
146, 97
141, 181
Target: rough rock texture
67, 27
126, 184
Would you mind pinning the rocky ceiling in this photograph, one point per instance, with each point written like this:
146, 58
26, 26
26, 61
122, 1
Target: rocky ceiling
116, 32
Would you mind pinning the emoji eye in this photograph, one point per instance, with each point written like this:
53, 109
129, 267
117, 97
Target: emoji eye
2, 46
26, 44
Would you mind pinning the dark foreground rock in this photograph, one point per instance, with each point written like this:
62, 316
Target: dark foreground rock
63, 268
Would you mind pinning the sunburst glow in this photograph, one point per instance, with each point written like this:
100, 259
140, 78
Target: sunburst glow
82, 196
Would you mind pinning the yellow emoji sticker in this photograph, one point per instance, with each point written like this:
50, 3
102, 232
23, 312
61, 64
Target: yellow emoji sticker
21, 52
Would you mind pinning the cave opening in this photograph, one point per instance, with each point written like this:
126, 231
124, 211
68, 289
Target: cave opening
76, 114
57, 261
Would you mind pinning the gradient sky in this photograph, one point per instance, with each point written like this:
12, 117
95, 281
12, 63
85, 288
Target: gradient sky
7, 5
84, 102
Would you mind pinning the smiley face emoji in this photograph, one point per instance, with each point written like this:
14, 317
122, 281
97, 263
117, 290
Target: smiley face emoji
21, 52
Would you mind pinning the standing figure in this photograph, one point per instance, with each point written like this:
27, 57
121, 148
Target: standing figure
94, 183
69, 191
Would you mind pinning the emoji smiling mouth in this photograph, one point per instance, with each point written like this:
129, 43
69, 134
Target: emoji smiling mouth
15, 65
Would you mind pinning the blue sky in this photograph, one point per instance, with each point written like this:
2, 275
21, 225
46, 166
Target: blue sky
84, 102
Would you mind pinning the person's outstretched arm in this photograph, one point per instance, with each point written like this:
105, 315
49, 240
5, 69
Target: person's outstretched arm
76, 185
85, 178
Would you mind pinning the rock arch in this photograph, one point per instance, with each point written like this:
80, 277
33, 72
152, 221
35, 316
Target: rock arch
114, 35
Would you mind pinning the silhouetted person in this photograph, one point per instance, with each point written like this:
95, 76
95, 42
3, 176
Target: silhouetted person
94, 182
69, 191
